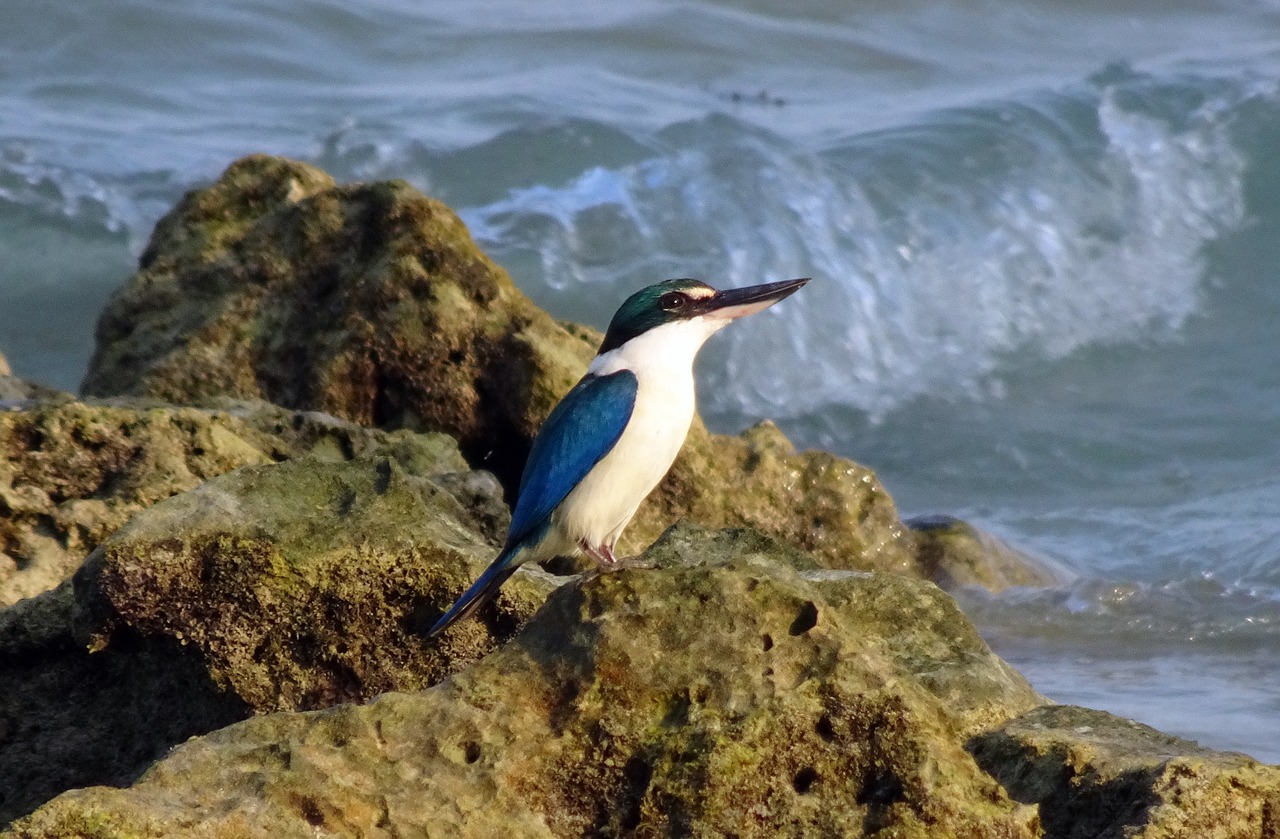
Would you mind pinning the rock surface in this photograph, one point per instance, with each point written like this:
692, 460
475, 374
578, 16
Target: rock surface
71, 473
369, 302
1093, 774
296, 585
724, 693
955, 554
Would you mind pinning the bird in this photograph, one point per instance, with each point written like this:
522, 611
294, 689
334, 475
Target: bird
614, 435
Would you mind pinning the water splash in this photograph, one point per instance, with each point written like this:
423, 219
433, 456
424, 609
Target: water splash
943, 250
127, 204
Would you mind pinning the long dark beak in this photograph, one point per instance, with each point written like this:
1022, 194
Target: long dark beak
740, 302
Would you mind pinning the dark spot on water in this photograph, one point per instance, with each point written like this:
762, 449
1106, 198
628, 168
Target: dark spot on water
806, 619
766, 641
825, 729
471, 751
804, 780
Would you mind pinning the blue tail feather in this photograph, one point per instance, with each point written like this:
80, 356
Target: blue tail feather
481, 592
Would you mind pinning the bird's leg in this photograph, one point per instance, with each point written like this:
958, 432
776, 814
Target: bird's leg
603, 555
619, 563
606, 561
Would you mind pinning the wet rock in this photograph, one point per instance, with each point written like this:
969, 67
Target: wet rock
723, 692
1095, 774
71, 473
289, 586
955, 554
367, 301
830, 507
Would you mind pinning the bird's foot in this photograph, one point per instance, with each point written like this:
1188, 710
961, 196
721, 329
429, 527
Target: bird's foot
631, 562
607, 563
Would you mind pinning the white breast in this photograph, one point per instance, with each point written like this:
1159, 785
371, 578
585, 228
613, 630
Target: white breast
598, 509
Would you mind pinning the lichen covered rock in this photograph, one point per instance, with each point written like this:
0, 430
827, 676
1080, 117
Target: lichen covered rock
71, 473
955, 554
723, 693
1094, 774
288, 586
369, 302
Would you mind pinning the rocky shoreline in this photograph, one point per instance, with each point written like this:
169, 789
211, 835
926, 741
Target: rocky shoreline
299, 426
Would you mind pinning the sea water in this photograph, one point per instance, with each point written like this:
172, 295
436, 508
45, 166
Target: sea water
1045, 238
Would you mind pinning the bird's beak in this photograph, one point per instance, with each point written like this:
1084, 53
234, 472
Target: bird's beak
740, 302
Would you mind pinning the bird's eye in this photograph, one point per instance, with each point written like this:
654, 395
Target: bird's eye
673, 301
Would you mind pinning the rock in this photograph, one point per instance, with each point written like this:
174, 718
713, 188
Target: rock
955, 554
722, 693
1094, 774
830, 507
369, 302
288, 586
71, 473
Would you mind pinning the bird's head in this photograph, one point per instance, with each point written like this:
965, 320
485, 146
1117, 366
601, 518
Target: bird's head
673, 301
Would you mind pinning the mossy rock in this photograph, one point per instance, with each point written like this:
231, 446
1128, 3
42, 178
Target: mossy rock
296, 585
367, 301
955, 554
723, 692
1095, 774
71, 472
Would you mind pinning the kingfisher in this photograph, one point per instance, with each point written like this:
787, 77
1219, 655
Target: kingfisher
613, 437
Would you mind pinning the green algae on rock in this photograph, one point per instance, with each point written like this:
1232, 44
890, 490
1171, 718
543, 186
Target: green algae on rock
829, 506
1094, 774
366, 301
71, 473
954, 553
722, 693
285, 586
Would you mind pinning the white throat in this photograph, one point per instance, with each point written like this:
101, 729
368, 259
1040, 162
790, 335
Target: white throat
665, 351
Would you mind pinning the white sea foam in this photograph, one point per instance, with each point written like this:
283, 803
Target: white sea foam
942, 250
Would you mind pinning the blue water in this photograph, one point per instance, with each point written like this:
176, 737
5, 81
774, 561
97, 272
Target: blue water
1045, 237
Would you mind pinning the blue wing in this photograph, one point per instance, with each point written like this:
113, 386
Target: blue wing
579, 432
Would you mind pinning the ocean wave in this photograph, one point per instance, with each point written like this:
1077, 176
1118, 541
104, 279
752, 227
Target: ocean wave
125, 204
945, 249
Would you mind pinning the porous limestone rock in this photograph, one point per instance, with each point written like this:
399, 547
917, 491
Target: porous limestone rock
284, 586
725, 692
71, 473
955, 554
366, 301
1094, 774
